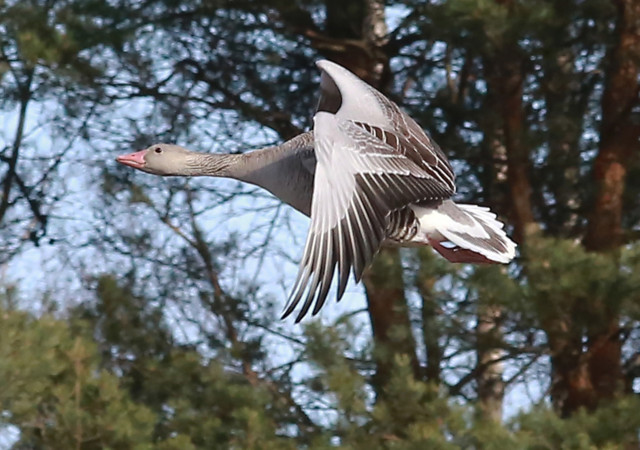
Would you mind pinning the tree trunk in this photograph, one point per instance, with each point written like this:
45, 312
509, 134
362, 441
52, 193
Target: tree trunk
583, 378
504, 70
355, 35
431, 311
619, 131
619, 134
505, 75
489, 378
566, 110
389, 315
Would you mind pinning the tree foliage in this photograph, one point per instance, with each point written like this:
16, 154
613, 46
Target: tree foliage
152, 319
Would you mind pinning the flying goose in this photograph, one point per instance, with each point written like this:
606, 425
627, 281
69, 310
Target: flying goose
367, 175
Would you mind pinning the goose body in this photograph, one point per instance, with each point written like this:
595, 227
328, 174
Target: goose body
367, 175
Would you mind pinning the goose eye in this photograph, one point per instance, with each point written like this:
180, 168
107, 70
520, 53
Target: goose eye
158, 150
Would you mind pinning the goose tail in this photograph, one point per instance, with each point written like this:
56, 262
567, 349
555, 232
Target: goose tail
467, 234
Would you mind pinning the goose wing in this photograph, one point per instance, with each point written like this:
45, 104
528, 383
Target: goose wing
408, 139
361, 176
344, 94
416, 144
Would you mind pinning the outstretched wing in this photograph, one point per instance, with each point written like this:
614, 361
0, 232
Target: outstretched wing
406, 136
348, 97
361, 176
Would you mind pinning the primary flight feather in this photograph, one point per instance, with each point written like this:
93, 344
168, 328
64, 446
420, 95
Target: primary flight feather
367, 175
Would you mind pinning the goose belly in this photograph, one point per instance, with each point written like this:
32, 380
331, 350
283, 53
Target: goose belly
406, 229
429, 222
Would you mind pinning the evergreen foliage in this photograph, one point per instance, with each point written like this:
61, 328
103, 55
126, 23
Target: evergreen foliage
151, 317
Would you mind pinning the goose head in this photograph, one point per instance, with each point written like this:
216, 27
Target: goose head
160, 159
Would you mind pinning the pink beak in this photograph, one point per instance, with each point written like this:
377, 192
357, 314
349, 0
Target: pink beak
135, 160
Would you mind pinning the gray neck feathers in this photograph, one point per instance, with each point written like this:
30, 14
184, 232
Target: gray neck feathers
285, 170
268, 165
213, 165
252, 166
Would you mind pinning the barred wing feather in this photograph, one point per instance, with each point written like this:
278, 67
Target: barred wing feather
359, 180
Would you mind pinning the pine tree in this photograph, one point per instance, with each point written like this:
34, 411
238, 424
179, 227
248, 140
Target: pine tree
535, 103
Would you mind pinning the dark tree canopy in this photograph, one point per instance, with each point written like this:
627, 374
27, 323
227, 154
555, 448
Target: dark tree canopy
141, 312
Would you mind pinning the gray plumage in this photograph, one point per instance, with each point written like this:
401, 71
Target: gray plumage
366, 175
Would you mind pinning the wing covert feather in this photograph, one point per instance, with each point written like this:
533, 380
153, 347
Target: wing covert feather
359, 180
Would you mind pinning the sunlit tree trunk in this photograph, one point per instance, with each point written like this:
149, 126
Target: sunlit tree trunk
489, 378
619, 134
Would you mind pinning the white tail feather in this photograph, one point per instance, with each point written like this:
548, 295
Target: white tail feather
471, 228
